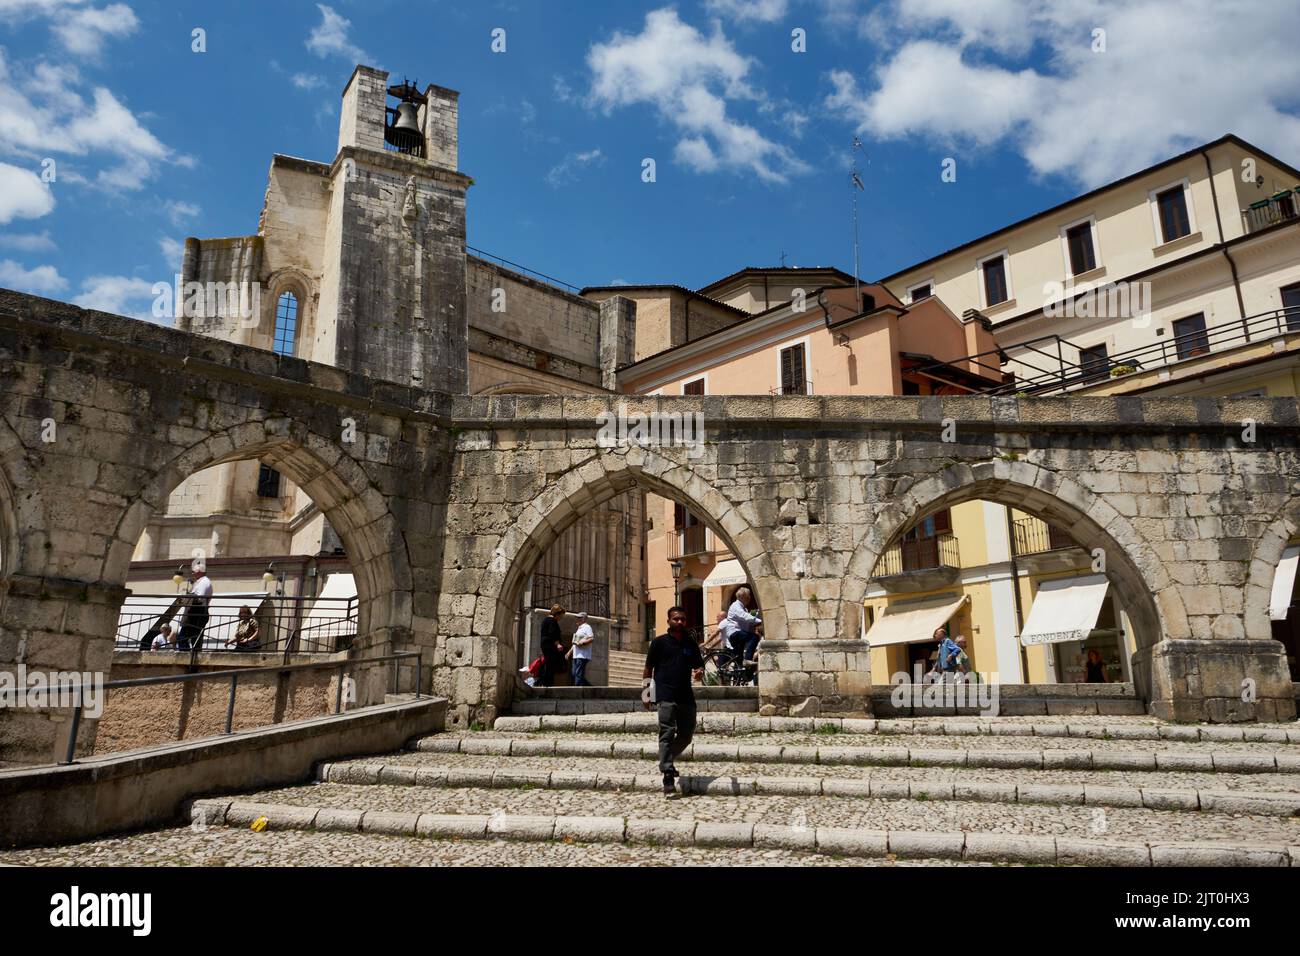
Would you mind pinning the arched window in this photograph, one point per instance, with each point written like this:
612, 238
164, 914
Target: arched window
286, 324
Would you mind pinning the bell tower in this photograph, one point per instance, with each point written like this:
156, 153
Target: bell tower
392, 295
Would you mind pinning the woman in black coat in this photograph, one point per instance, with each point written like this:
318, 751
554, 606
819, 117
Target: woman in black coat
552, 645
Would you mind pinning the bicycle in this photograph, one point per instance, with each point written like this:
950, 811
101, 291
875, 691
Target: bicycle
724, 667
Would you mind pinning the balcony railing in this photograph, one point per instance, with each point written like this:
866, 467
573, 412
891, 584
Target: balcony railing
1034, 536
1050, 363
688, 540
573, 594
919, 554
1280, 207
797, 388
297, 625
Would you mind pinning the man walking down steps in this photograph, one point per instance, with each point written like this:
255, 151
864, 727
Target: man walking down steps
674, 658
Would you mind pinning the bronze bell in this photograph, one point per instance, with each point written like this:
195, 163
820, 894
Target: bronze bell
408, 118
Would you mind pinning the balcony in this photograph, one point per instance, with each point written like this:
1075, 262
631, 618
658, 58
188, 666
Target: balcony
804, 387
572, 593
1034, 536
1051, 364
919, 564
688, 540
1042, 547
1280, 207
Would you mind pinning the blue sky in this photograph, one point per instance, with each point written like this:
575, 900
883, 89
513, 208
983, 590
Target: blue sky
152, 141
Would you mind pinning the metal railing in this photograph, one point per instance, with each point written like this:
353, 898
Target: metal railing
233, 676
1034, 536
919, 554
691, 539
796, 388
523, 270
574, 594
1280, 207
292, 625
1055, 364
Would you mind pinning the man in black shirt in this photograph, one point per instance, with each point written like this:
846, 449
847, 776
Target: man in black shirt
673, 660
552, 647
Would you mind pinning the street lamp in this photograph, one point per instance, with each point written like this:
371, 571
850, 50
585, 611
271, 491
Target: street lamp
178, 578
676, 565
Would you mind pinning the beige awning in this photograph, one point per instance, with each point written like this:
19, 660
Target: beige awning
1284, 583
910, 623
725, 574
1065, 609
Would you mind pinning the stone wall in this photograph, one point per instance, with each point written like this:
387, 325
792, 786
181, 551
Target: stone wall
813, 678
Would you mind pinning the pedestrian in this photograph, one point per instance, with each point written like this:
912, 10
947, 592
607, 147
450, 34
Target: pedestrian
246, 631
746, 633
552, 646
163, 638
196, 607
948, 654
673, 660
1096, 668
583, 639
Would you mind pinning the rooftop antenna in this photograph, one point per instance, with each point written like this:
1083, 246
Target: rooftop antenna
783, 259
855, 184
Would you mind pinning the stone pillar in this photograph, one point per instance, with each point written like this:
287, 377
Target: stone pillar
1216, 680
55, 628
361, 120
617, 338
809, 678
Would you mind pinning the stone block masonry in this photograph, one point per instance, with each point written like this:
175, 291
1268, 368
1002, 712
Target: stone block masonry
446, 503
812, 678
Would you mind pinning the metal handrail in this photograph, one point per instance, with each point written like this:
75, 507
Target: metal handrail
233, 675
524, 270
1063, 373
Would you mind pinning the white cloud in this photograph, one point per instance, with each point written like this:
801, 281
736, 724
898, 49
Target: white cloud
173, 250
307, 81
43, 280
22, 194
330, 37
83, 31
40, 116
179, 211
690, 79
1175, 73
28, 242
762, 11
567, 169
120, 295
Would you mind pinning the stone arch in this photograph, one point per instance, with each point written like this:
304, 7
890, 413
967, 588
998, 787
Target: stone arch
582, 488
338, 485
1284, 526
1145, 588
515, 388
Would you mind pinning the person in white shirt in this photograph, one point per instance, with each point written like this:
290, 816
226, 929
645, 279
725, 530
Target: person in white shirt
745, 624
163, 638
583, 639
196, 611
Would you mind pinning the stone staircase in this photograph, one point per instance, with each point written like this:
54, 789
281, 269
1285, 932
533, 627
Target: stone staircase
626, 668
573, 789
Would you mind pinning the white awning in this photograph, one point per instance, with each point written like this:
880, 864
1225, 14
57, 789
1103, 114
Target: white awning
333, 612
725, 574
910, 623
1284, 583
1065, 609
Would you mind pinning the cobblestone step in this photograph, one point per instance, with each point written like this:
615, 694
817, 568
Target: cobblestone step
1267, 803
1099, 758
679, 832
725, 723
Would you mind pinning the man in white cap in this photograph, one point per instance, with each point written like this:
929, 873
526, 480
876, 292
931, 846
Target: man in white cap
583, 639
196, 610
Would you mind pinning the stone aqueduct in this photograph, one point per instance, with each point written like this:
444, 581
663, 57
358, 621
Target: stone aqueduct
445, 503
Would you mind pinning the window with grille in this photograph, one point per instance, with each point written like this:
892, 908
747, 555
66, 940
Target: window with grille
1083, 257
1291, 306
793, 379
286, 324
1172, 207
268, 482
921, 292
